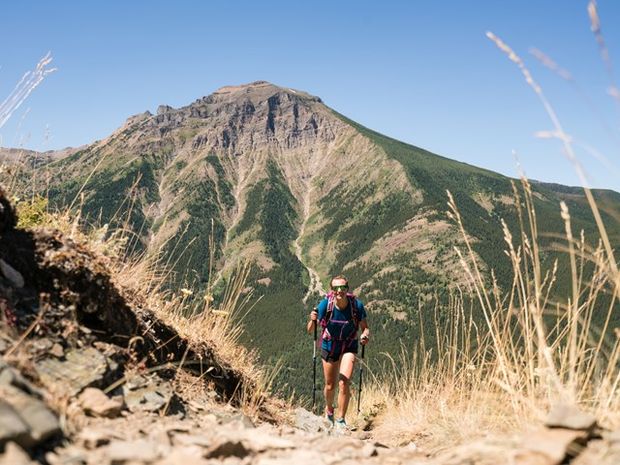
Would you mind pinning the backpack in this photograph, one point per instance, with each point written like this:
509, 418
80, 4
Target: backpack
327, 320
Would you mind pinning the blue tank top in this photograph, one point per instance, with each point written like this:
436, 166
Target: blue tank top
341, 326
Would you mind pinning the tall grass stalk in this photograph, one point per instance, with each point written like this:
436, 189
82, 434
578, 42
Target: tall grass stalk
535, 348
29, 82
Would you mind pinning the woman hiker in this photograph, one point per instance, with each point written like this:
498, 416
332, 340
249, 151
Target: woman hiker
340, 315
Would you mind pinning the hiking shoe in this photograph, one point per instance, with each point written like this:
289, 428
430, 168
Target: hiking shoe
340, 425
329, 415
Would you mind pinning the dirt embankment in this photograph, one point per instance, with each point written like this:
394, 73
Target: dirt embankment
65, 327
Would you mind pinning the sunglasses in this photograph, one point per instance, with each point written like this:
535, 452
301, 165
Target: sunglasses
344, 287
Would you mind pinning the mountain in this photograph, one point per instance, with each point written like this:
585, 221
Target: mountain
283, 181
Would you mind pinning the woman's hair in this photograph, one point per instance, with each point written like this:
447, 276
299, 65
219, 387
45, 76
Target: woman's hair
339, 277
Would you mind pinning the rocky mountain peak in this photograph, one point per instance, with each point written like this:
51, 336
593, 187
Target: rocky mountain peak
233, 99
258, 102
260, 90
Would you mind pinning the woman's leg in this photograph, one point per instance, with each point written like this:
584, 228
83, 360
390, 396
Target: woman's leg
347, 364
330, 372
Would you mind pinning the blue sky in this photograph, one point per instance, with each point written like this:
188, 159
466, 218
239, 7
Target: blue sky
421, 72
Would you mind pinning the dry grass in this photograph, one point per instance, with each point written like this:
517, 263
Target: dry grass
198, 319
530, 352
534, 348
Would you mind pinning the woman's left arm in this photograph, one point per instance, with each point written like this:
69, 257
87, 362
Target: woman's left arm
365, 331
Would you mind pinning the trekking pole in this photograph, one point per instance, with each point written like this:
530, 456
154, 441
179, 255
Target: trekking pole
359, 394
314, 366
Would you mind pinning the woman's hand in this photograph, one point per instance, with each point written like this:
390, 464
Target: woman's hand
312, 322
365, 337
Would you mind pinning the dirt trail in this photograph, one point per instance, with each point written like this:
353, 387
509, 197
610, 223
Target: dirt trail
216, 434
212, 434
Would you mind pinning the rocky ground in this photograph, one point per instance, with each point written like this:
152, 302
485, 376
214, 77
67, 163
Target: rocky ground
88, 375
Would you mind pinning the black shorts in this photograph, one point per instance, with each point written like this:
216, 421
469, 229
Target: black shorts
334, 355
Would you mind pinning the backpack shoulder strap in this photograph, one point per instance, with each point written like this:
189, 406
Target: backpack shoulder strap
331, 301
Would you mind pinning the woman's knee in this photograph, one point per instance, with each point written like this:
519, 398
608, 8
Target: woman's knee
329, 386
343, 383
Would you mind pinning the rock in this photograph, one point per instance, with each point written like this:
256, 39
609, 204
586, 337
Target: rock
42, 423
239, 443
613, 437
190, 455
570, 417
92, 438
80, 369
57, 350
11, 274
12, 427
599, 453
368, 450
228, 448
309, 422
70, 456
96, 403
15, 455
146, 394
11, 377
192, 440
529, 457
136, 382
263, 442
8, 218
301, 456
346, 448
178, 427
239, 420
42, 344
141, 450
163, 109
550, 446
